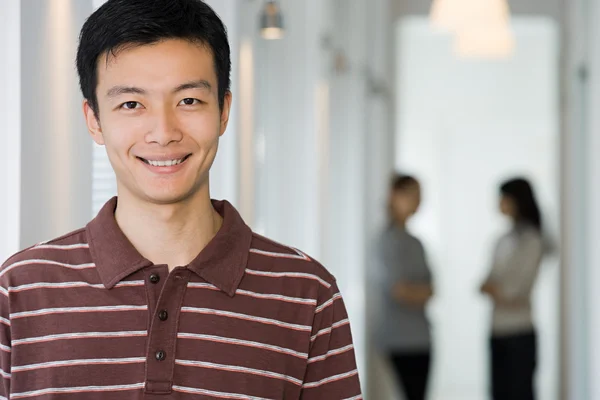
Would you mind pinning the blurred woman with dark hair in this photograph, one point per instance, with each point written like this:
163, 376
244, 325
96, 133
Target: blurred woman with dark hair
515, 266
405, 288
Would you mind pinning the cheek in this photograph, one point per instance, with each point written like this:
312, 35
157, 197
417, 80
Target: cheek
399, 205
203, 128
122, 133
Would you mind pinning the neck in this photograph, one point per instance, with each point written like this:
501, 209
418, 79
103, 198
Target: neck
400, 223
172, 234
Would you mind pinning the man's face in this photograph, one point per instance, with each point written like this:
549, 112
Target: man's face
159, 119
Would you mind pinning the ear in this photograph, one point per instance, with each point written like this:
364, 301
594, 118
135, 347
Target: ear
225, 112
93, 123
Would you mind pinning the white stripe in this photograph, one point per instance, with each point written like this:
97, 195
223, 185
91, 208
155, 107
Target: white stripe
195, 285
46, 262
62, 247
256, 295
79, 335
359, 397
5, 375
3, 291
261, 320
330, 379
69, 363
65, 310
79, 389
277, 297
3, 398
234, 368
221, 395
5, 348
4, 321
328, 303
240, 342
298, 256
328, 330
330, 353
289, 275
62, 285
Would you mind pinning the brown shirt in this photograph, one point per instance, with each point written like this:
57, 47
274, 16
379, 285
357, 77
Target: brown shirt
85, 316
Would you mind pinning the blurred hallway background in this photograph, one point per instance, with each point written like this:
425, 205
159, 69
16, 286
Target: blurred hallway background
352, 91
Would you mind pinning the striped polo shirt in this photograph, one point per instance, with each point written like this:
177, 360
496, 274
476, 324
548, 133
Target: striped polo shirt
85, 316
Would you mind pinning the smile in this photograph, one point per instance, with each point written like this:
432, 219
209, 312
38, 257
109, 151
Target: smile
164, 163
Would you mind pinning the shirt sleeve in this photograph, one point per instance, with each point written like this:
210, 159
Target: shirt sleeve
427, 279
331, 371
519, 270
390, 264
5, 343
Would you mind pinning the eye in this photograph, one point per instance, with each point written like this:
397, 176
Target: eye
130, 105
189, 102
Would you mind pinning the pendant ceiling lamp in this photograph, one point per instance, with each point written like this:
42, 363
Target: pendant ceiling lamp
271, 21
482, 27
448, 15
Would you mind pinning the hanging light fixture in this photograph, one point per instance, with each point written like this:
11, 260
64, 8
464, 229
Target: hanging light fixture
481, 27
449, 15
271, 21
488, 34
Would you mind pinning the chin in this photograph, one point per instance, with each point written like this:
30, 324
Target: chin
168, 197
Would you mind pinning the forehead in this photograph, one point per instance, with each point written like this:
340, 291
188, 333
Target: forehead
162, 63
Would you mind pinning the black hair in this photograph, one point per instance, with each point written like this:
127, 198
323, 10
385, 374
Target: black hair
399, 183
121, 24
402, 182
521, 192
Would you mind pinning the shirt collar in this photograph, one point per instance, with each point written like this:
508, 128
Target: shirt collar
222, 262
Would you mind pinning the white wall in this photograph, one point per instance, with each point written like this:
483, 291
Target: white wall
10, 126
224, 173
462, 127
286, 196
56, 149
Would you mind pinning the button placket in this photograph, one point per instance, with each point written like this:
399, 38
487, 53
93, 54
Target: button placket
155, 281
162, 335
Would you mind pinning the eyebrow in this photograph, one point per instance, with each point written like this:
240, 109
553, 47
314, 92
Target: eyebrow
199, 84
119, 90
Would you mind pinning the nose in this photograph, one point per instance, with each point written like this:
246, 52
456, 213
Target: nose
166, 129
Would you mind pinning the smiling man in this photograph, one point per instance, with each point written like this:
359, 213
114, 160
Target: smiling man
167, 294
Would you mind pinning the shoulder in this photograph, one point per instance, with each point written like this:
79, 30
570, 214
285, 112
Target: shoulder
58, 250
532, 238
268, 257
413, 242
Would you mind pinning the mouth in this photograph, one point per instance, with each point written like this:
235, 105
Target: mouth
164, 163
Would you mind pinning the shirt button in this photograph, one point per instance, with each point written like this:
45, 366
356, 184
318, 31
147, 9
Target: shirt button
154, 278
163, 315
160, 355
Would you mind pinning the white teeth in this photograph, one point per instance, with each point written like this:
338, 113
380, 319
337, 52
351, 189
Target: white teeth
167, 163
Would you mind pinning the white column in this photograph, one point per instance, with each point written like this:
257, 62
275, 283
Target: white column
56, 149
592, 183
579, 198
10, 126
